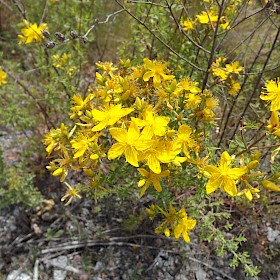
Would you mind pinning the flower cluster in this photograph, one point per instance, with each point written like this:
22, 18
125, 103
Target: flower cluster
210, 17
227, 73
63, 62
174, 222
143, 115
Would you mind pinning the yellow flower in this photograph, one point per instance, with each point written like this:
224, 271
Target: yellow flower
107, 67
129, 143
151, 178
192, 101
217, 69
70, 71
211, 102
3, 77
71, 193
272, 94
31, 33
210, 16
184, 226
234, 67
178, 222
223, 176
205, 18
250, 193
109, 115
187, 25
55, 137
185, 139
83, 142
188, 85
234, 88
170, 218
155, 70
80, 105
60, 61
224, 23
154, 125
161, 151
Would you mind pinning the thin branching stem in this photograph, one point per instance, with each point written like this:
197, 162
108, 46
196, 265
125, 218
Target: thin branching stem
258, 81
214, 46
159, 39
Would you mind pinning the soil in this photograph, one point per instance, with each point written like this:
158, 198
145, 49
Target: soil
89, 241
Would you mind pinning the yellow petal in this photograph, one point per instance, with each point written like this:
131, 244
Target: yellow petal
230, 186
186, 237
213, 184
154, 164
131, 156
143, 172
115, 151
177, 231
120, 134
248, 195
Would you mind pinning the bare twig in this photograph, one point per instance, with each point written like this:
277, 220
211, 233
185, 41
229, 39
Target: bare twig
20, 9
145, 3
44, 12
56, 264
214, 46
258, 80
90, 243
159, 39
36, 270
102, 22
181, 30
238, 94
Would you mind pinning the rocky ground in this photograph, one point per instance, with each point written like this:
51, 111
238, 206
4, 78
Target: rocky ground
84, 241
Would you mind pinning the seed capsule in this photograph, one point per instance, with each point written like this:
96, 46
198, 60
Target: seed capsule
84, 39
74, 34
50, 44
45, 33
60, 37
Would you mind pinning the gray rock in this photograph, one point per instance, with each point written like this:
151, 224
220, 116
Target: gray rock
18, 275
272, 235
59, 274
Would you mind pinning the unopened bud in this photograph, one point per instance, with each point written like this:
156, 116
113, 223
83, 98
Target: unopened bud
138, 103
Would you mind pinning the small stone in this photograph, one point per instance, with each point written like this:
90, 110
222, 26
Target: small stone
59, 274
18, 275
272, 234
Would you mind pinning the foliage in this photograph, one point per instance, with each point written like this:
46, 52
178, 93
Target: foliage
18, 188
